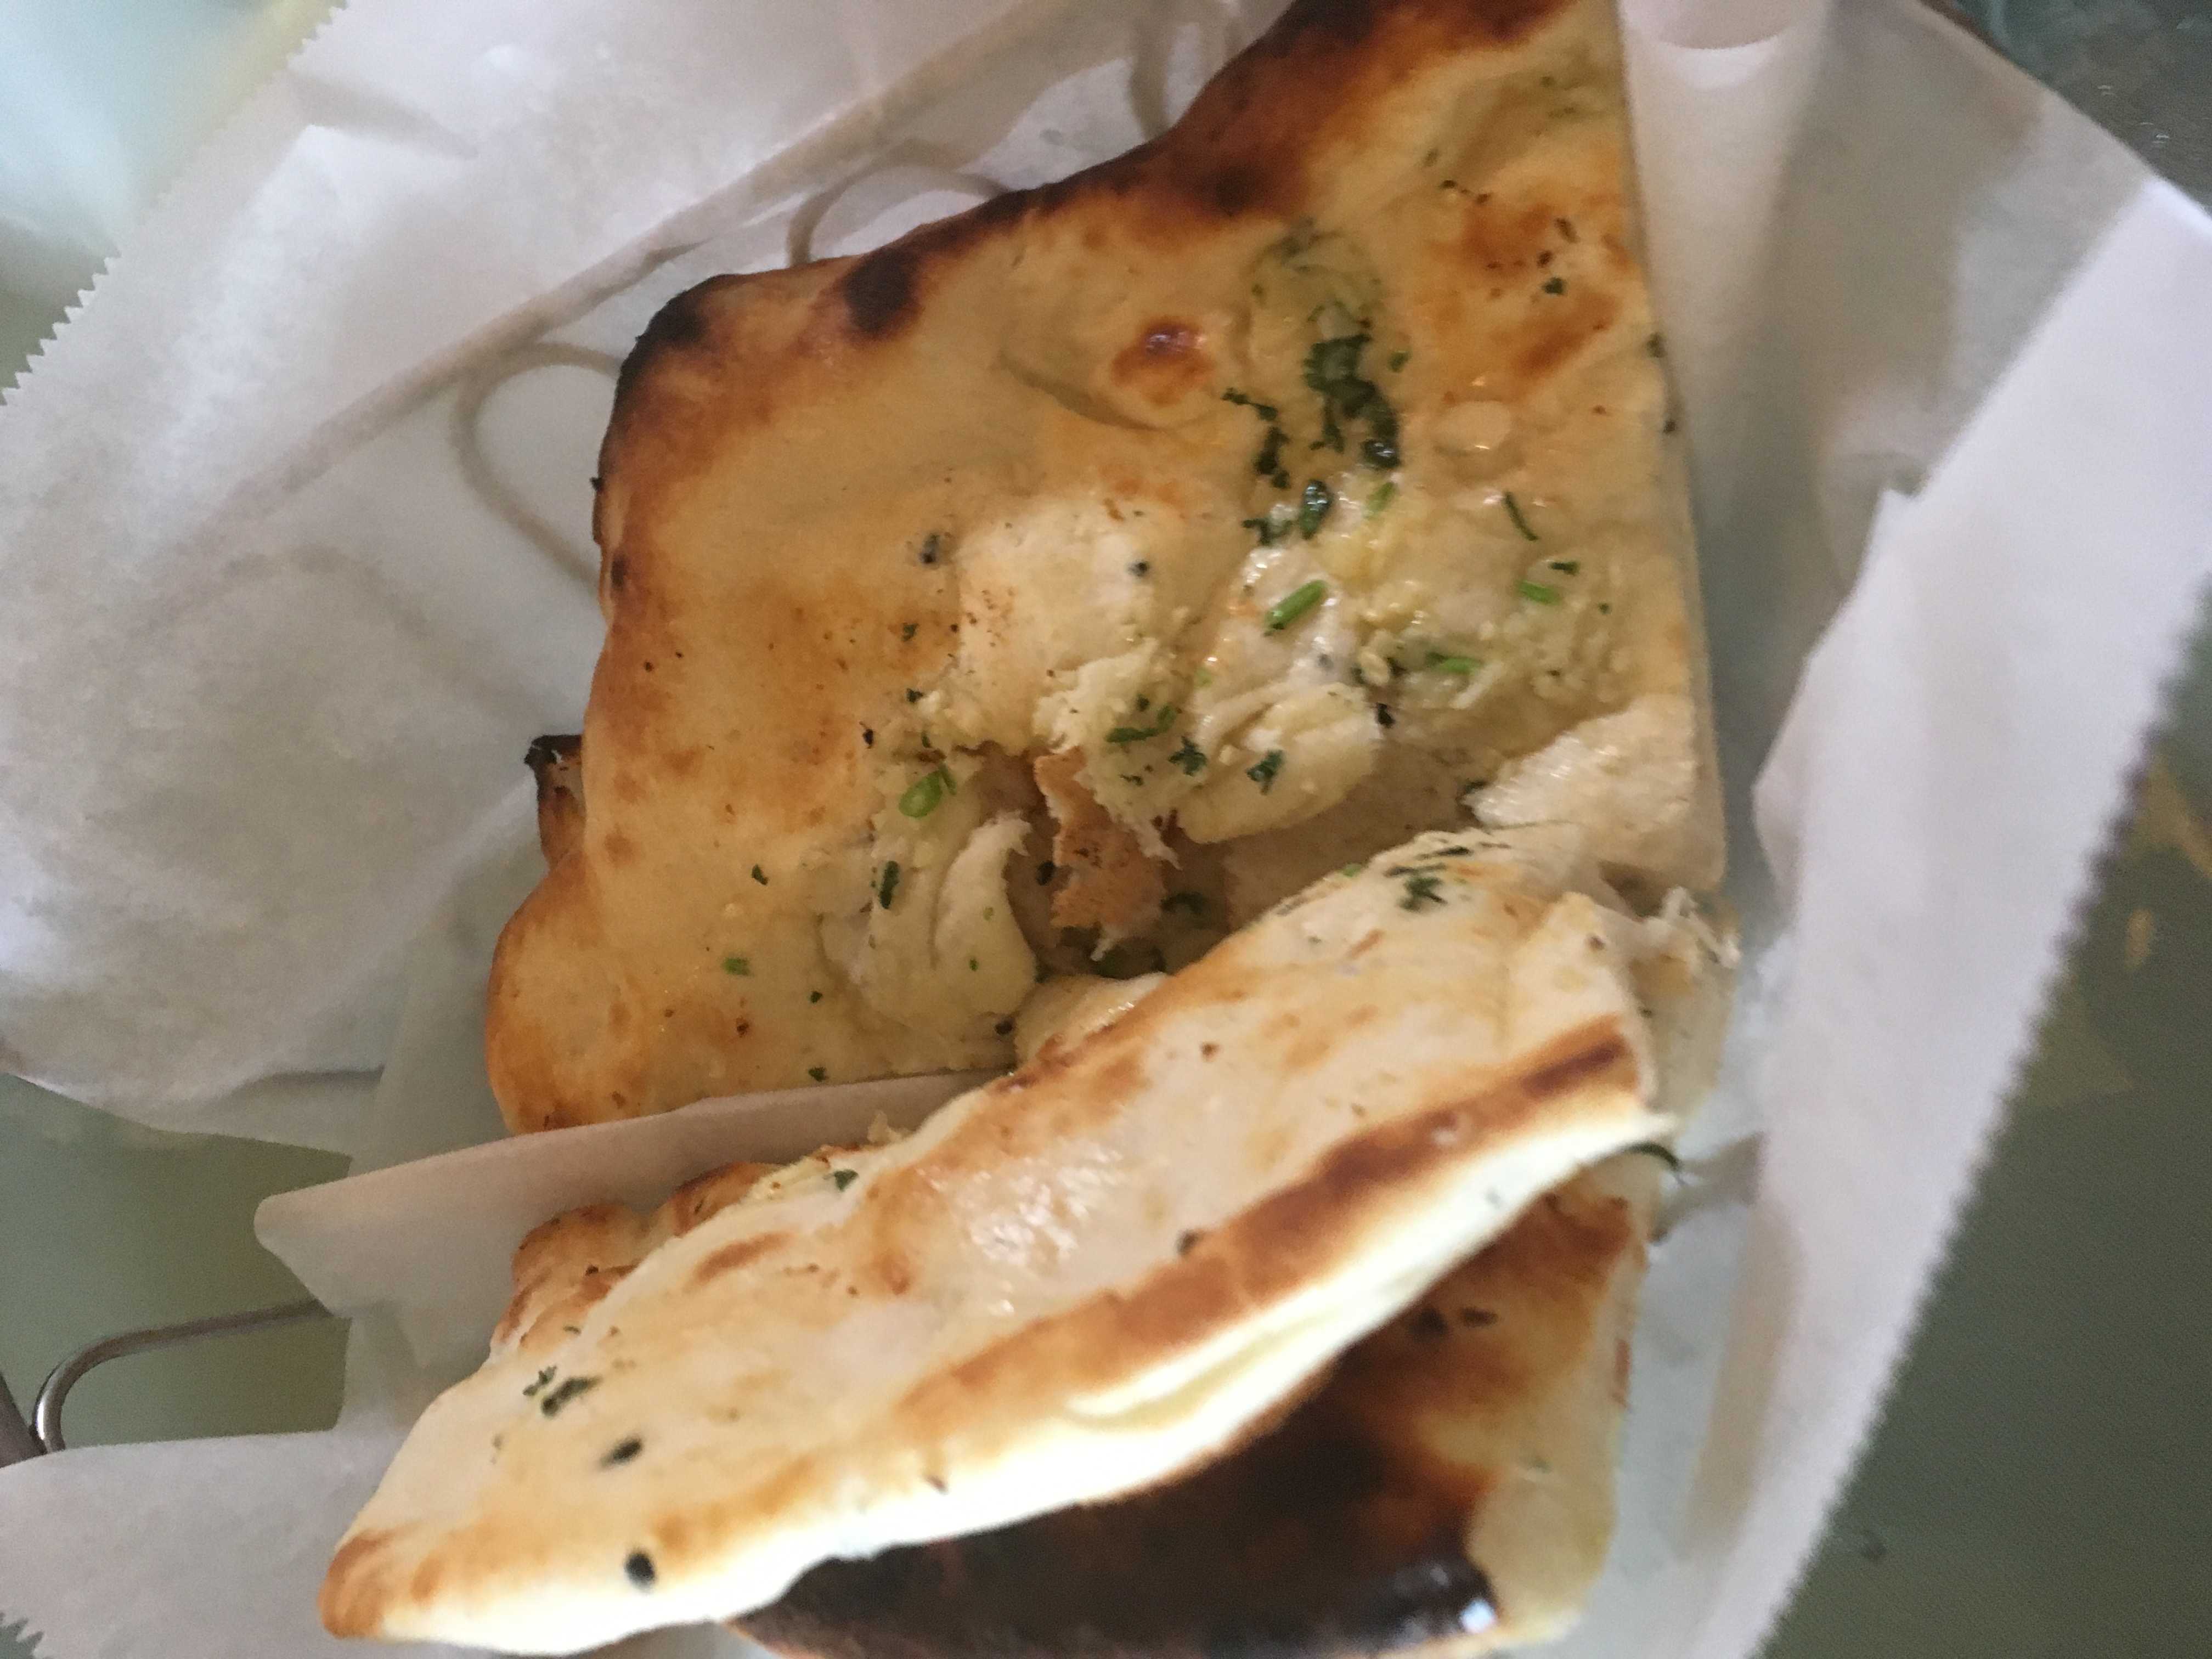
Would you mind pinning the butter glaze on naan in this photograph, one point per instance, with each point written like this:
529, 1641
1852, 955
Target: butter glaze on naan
1168, 536
1075, 1283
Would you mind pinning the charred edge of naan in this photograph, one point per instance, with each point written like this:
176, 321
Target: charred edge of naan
1240, 150
1338, 1532
556, 764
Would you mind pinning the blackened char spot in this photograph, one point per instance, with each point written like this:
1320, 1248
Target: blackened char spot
677, 327
880, 291
552, 750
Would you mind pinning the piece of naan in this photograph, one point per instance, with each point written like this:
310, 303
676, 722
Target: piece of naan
1447, 1492
1078, 1282
1069, 581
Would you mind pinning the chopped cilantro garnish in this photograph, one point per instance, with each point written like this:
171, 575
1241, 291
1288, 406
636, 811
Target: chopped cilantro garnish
887, 885
1398, 360
1451, 663
736, 965
1190, 757
1313, 507
1565, 567
1266, 529
1536, 592
1295, 604
1557, 285
913, 695
530, 1389
1263, 772
1332, 368
760, 875
1269, 460
906, 632
1421, 888
1122, 736
844, 1178
1513, 511
923, 795
820, 1073
1266, 412
814, 996
1384, 495
1353, 869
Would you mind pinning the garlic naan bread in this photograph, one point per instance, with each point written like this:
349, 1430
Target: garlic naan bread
1079, 1281
1069, 581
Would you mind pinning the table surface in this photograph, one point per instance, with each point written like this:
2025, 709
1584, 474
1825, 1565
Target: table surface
2036, 1486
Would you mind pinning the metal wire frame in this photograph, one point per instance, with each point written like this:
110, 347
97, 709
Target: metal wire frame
43, 1433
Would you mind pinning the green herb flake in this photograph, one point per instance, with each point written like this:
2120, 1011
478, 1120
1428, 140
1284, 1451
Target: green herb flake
1203, 678
1565, 567
530, 1389
1557, 285
1421, 888
925, 794
1536, 592
913, 695
1513, 511
1267, 412
1384, 495
1295, 604
1266, 529
1190, 757
1452, 663
1193, 903
1262, 771
906, 632
552, 1401
1269, 460
736, 965
1353, 869
760, 875
1313, 507
814, 996
844, 1178
820, 1073
1122, 736
1399, 360
887, 885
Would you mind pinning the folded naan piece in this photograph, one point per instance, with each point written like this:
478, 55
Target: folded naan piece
1447, 1492
1079, 1281
1070, 581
